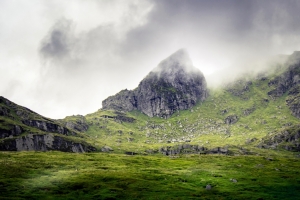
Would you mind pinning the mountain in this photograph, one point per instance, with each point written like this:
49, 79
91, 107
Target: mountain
250, 125
172, 86
171, 113
23, 129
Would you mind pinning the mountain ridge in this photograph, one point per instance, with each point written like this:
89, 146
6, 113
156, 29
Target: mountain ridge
253, 113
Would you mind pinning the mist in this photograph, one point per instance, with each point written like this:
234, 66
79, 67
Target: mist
63, 58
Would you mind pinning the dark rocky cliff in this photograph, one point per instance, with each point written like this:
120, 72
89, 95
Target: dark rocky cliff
173, 85
289, 82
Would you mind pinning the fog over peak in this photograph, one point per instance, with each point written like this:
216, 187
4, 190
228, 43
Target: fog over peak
178, 60
66, 57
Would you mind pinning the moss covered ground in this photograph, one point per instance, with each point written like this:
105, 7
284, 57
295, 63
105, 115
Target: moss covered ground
57, 175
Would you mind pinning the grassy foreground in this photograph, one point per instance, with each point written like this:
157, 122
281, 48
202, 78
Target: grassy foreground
57, 175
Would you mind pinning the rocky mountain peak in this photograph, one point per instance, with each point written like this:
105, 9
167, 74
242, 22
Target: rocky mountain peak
173, 85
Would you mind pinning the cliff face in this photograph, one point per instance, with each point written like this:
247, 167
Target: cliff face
125, 100
289, 82
173, 85
46, 142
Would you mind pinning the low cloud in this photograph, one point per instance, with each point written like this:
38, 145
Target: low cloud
72, 55
59, 41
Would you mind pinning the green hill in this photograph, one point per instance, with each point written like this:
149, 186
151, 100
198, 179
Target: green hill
241, 142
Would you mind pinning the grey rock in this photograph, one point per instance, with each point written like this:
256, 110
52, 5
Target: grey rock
15, 131
4, 111
289, 79
218, 150
130, 139
173, 85
191, 149
224, 111
48, 127
233, 180
125, 100
287, 139
80, 124
46, 142
208, 187
106, 149
293, 101
239, 88
249, 141
131, 153
231, 119
248, 111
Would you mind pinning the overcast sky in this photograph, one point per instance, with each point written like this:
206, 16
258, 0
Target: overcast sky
61, 58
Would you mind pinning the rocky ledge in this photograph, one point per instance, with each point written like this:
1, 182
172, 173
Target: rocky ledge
46, 142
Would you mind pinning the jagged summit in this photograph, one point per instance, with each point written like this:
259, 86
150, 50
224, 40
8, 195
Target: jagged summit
173, 85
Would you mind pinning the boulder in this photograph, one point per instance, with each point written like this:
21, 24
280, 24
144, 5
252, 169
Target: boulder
106, 149
208, 187
231, 119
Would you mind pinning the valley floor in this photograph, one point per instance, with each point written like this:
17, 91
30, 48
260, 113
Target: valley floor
57, 175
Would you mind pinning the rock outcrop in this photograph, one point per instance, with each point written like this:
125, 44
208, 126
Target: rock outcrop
24, 130
15, 131
46, 142
187, 148
76, 123
289, 79
293, 101
231, 119
48, 127
173, 85
288, 139
289, 82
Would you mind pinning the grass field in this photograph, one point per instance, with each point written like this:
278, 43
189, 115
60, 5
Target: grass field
57, 175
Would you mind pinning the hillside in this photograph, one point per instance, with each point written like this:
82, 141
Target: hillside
22, 129
248, 114
241, 142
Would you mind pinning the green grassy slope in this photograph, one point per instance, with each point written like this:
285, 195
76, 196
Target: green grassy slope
258, 114
250, 170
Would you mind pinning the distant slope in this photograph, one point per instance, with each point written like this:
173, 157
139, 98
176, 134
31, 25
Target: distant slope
23, 129
242, 114
247, 116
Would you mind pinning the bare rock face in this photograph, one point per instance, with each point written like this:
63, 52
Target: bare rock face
125, 100
288, 79
173, 85
24, 130
287, 139
293, 101
46, 142
289, 82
